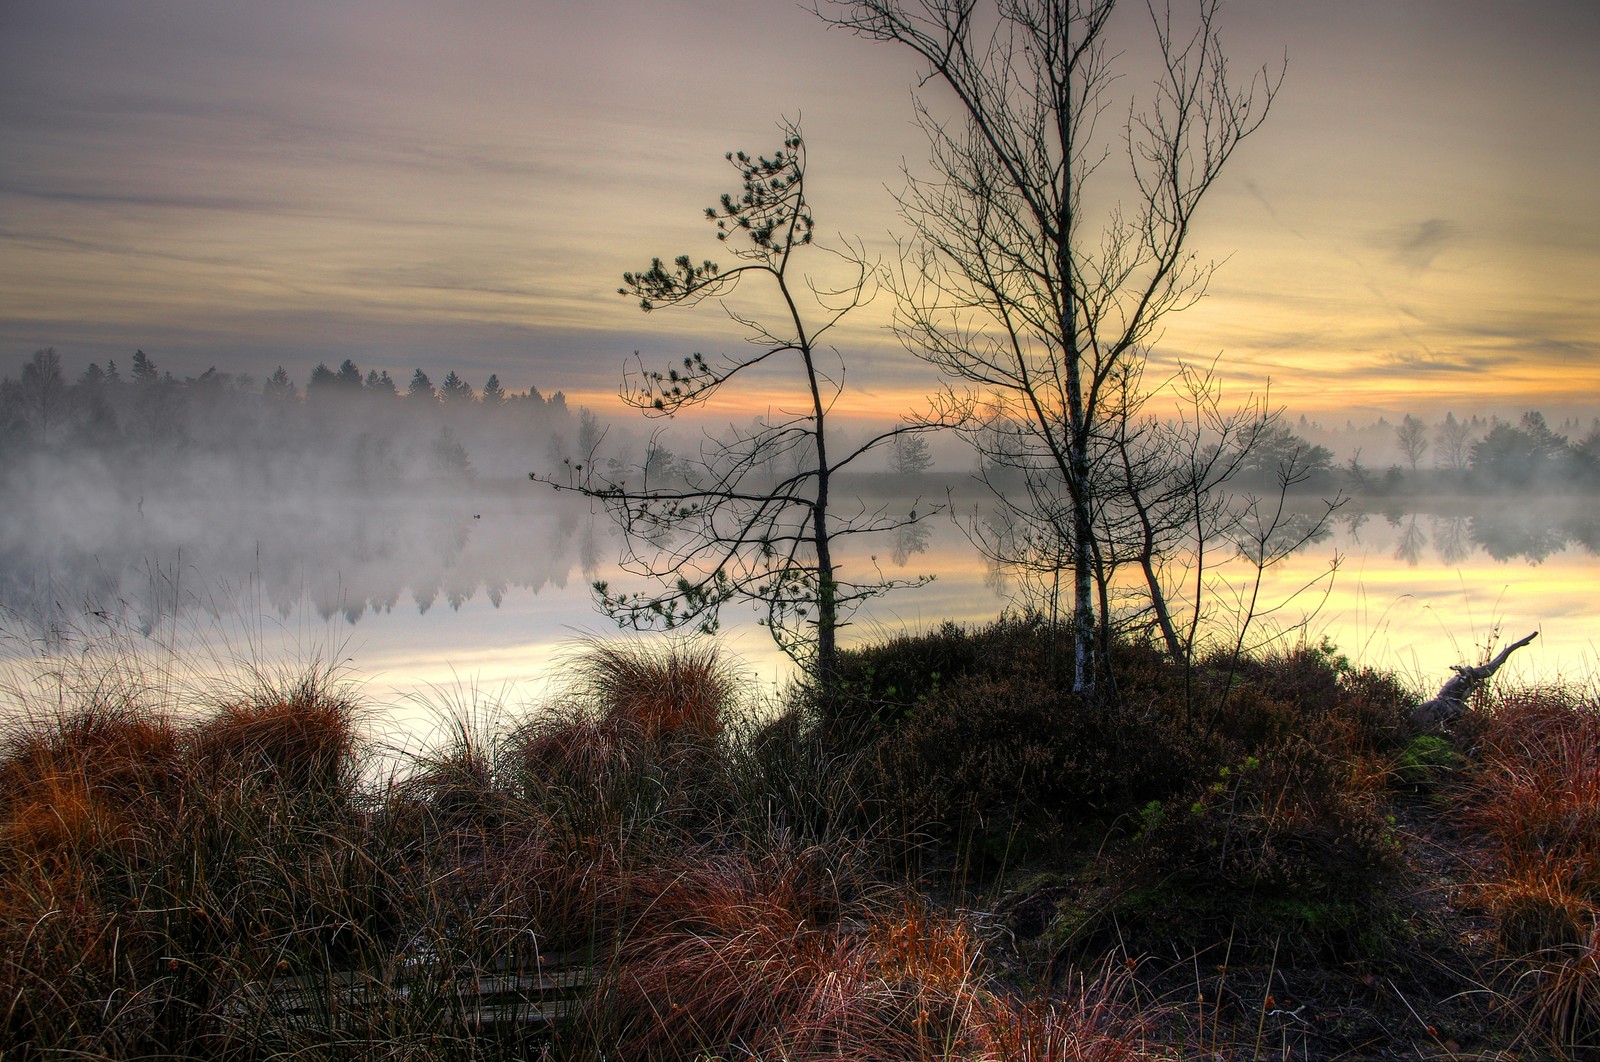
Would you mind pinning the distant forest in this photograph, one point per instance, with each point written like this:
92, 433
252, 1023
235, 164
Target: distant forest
1477, 455
343, 430
122, 482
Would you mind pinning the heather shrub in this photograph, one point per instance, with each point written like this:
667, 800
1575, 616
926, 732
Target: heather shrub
1377, 708
1276, 844
1260, 700
996, 756
882, 683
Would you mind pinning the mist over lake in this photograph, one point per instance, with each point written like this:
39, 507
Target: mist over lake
431, 586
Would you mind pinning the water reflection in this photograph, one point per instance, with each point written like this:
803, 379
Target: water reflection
346, 557
368, 561
910, 541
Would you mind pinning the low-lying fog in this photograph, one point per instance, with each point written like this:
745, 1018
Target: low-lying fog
408, 527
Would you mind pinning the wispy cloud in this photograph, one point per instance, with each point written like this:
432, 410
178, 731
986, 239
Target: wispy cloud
1416, 245
1414, 365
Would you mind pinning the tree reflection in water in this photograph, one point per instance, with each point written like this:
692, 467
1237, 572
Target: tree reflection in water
352, 556
344, 557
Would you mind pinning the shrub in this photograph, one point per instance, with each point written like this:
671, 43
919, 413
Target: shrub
1000, 755
1279, 842
1427, 763
882, 683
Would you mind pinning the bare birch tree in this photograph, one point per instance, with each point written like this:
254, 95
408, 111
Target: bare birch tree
1034, 277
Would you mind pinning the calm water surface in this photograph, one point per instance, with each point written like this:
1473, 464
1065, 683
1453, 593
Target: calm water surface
484, 595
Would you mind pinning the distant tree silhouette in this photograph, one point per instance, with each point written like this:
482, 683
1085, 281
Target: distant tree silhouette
1412, 435
455, 391
421, 387
323, 380
279, 387
210, 381
590, 435
380, 384
493, 393
1452, 444
1277, 449
909, 456
1356, 477
1586, 458
144, 370
349, 378
449, 457
95, 412
1525, 455
43, 394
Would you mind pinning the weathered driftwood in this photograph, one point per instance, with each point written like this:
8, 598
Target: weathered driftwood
1451, 701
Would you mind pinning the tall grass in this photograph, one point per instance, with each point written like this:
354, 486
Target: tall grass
1536, 795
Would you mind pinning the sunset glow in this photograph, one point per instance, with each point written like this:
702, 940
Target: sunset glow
246, 186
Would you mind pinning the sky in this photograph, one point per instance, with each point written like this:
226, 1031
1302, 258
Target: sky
461, 185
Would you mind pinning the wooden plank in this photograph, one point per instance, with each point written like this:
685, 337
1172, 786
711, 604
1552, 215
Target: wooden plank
509, 996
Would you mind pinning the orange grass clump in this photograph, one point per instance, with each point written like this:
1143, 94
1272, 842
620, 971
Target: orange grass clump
738, 958
680, 694
85, 780
1537, 797
304, 740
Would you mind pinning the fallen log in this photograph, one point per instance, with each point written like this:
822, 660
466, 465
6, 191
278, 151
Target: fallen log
1446, 707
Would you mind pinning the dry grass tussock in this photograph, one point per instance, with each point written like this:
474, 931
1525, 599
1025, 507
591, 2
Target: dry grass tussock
1535, 794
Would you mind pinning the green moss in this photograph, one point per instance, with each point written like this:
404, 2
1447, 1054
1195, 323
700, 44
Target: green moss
1427, 762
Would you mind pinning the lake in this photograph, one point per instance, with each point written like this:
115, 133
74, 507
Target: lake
480, 594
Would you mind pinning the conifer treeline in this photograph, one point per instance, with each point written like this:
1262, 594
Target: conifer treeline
344, 428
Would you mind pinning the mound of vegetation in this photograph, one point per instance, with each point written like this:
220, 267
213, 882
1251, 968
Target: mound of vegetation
967, 863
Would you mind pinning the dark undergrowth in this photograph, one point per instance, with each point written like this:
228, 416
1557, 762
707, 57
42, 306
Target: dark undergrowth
1254, 861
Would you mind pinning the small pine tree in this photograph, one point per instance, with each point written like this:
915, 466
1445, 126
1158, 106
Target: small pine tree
493, 393
144, 369
455, 390
322, 379
421, 387
279, 387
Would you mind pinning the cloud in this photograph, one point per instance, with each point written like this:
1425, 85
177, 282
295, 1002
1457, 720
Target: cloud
1415, 364
1415, 246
